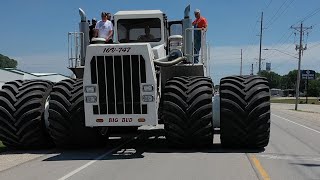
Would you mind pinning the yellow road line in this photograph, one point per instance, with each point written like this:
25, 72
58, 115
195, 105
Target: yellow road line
263, 173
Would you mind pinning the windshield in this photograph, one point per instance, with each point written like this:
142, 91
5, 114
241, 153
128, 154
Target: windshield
139, 30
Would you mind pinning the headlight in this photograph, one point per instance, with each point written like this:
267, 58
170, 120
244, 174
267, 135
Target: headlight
90, 89
147, 88
91, 99
147, 98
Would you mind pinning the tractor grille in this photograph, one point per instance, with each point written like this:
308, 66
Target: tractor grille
119, 80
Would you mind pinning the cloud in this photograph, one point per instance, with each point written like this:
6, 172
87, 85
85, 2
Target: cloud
44, 63
225, 60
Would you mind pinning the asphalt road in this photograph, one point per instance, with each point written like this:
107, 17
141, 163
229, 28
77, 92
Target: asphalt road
293, 153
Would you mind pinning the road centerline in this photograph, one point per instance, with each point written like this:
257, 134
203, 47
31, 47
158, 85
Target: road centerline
258, 166
296, 123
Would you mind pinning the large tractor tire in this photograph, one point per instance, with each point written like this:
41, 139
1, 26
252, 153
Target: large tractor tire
67, 120
245, 112
23, 113
187, 111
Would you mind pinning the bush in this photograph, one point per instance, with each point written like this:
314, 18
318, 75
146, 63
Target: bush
6, 62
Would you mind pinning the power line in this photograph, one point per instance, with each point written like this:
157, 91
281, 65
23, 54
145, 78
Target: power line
251, 42
313, 46
267, 5
282, 41
276, 16
313, 13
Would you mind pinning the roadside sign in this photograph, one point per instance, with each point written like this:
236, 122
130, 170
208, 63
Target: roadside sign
268, 66
308, 74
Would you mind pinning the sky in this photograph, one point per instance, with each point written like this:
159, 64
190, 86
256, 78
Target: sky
35, 32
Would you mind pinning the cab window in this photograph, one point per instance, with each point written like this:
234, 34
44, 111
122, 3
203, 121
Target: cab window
139, 30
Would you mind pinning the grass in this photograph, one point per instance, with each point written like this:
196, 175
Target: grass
293, 101
2, 147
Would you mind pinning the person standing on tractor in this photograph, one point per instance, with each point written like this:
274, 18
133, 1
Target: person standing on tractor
109, 16
91, 29
199, 22
104, 28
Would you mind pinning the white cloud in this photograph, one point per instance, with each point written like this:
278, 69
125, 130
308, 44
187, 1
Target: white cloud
225, 60
44, 63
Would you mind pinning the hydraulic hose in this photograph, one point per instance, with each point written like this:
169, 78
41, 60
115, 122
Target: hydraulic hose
164, 63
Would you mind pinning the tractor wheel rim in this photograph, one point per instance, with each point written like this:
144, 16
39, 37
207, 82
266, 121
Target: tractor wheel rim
46, 112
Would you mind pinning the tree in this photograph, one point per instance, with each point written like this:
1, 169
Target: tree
314, 88
6, 62
285, 83
291, 80
273, 78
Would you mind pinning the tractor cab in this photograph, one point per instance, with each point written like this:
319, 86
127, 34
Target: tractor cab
140, 27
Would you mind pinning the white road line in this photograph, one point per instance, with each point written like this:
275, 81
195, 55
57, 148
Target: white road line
296, 123
93, 161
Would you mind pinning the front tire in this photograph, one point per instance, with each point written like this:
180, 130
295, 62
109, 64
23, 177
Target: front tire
245, 112
67, 119
187, 111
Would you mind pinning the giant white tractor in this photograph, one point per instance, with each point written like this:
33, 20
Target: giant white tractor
134, 83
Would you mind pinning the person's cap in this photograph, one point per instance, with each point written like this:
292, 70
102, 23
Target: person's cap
94, 19
197, 11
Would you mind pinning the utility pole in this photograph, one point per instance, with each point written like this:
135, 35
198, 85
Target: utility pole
300, 29
241, 64
251, 69
261, 31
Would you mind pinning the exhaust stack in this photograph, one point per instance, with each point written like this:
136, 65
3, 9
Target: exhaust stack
187, 34
84, 28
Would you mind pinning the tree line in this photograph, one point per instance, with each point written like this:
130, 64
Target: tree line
6, 62
289, 80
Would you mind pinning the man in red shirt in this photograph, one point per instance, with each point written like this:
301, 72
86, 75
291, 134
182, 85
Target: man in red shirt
199, 22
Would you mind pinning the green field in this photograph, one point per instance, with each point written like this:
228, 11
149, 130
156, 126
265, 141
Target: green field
293, 101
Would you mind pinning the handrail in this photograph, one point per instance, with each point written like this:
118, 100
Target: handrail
75, 39
204, 50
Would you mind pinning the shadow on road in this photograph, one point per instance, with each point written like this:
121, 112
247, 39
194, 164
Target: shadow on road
306, 165
146, 142
8, 151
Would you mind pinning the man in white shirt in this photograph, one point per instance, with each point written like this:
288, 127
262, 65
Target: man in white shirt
104, 28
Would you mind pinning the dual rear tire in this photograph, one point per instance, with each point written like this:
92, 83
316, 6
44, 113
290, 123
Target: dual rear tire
23, 114
244, 112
